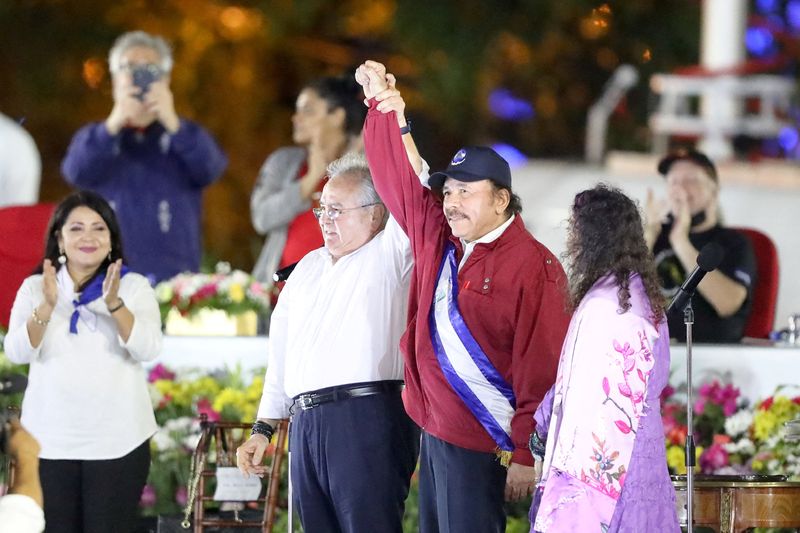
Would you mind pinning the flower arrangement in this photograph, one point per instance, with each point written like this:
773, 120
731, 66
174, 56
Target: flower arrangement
731, 436
178, 399
232, 291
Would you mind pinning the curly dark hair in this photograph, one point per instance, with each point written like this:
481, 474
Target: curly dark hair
606, 237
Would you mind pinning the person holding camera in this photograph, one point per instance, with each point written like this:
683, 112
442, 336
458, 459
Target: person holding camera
85, 324
21, 509
149, 163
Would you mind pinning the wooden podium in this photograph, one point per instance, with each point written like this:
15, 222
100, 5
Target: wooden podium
729, 504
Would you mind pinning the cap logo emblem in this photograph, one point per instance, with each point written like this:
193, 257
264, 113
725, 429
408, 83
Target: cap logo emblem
459, 158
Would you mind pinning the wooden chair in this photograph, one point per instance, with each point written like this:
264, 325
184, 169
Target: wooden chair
223, 438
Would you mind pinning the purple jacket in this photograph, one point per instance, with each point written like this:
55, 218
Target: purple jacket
154, 181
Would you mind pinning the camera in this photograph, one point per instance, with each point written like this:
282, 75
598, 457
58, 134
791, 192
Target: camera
143, 76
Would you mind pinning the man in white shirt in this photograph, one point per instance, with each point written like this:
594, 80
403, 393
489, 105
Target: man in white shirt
20, 165
334, 364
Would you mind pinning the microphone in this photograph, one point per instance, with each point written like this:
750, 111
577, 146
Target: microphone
708, 259
12, 383
283, 274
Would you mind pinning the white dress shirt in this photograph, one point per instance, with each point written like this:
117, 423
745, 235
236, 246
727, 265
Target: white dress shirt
87, 393
339, 323
20, 165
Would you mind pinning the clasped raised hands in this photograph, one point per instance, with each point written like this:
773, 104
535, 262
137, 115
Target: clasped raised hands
381, 85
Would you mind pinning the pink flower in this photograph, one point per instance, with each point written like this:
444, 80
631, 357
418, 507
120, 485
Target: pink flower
667, 392
699, 406
160, 372
606, 387
713, 458
204, 407
148, 498
181, 496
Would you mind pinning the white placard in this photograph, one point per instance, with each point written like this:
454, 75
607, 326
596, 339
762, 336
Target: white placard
232, 486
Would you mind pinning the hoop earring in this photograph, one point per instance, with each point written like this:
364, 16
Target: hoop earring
62, 259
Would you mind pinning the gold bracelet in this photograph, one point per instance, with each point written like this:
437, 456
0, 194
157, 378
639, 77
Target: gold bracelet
37, 320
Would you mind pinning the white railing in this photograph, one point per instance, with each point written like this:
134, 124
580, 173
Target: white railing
716, 108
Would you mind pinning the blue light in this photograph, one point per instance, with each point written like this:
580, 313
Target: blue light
514, 157
503, 104
788, 138
767, 6
759, 41
793, 13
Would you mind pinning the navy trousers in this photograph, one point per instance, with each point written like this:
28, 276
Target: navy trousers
351, 464
460, 490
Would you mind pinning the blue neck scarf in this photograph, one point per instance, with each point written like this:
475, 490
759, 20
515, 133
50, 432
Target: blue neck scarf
90, 293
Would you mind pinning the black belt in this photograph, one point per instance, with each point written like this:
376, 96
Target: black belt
310, 400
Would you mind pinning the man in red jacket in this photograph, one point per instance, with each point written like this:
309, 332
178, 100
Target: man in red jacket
486, 319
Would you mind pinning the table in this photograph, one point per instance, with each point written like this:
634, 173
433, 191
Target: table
732, 506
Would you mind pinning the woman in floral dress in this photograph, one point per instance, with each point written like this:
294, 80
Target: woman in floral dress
605, 464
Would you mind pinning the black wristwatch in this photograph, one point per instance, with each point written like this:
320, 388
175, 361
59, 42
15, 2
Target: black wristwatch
406, 129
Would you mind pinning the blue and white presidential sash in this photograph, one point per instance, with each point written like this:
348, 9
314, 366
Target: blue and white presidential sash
464, 364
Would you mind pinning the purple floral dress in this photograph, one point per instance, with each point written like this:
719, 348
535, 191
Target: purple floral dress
605, 467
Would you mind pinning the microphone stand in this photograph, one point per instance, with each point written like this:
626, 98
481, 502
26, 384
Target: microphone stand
689, 450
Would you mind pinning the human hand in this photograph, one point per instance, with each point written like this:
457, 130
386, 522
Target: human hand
49, 285
371, 75
682, 217
390, 99
520, 481
21, 444
159, 102
111, 284
127, 106
250, 455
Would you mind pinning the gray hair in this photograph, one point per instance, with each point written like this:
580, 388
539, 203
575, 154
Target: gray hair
134, 39
355, 164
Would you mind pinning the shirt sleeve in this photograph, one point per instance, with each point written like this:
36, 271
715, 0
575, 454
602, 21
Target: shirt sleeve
275, 403
145, 340
276, 199
198, 151
539, 333
20, 514
90, 153
17, 343
21, 173
739, 262
414, 207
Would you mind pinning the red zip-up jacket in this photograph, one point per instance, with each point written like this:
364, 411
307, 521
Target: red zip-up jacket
512, 297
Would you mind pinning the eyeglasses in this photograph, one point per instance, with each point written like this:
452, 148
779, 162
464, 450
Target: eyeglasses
334, 212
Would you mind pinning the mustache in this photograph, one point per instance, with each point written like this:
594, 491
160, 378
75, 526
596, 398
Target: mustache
449, 213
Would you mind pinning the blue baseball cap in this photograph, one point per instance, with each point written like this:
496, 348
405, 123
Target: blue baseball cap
474, 163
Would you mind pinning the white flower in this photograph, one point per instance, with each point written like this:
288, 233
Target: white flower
163, 440
190, 441
744, 446
738, 423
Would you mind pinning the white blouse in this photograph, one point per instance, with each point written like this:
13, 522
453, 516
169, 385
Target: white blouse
87, 394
